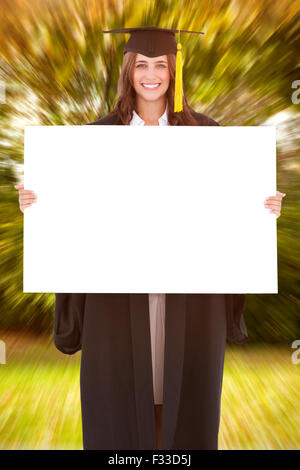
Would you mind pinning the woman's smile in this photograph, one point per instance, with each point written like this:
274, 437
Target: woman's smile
151, 86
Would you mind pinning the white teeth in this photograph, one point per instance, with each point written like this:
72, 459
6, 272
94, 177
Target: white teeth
150, 86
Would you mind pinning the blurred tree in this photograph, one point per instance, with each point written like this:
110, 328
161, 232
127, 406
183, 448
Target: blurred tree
60, 69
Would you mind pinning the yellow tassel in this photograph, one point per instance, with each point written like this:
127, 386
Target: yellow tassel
178, 81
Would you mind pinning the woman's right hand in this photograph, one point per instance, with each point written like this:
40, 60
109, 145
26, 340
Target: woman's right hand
26, 197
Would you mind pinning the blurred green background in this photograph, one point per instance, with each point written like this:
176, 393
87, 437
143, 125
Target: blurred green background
56, 68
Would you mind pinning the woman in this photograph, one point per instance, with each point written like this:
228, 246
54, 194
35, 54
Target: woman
140, 350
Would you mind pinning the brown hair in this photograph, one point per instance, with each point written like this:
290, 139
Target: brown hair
126, 101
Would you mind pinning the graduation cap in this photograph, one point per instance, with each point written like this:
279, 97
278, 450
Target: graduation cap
153, 42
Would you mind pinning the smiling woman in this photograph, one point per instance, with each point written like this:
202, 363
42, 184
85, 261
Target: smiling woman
151, 364
136, 91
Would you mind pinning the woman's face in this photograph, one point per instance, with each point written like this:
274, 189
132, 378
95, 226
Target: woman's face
151, 71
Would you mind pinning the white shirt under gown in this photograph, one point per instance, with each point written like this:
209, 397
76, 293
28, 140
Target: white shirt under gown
157, 308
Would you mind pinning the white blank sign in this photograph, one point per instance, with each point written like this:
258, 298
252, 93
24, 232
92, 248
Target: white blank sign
150, 209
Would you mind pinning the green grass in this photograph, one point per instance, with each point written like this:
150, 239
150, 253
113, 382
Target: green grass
40, 397
261, 400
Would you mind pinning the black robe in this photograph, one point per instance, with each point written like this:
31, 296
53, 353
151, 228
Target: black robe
116, 382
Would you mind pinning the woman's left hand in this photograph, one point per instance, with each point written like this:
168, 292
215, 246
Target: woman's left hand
273, 203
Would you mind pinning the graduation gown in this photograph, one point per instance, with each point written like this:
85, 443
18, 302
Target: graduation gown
116, 378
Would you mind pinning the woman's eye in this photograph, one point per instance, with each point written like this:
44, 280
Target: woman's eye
142, 65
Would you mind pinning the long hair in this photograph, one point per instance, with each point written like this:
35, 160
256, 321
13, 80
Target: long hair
126, 101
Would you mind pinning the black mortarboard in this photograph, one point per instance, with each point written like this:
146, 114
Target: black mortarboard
153, 42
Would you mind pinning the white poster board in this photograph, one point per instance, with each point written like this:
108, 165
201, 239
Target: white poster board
150, 209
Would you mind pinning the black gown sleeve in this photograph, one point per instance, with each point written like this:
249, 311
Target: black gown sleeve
68, 322
237, 329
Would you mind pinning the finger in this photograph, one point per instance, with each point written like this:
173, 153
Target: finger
28, 198
24, 206
273, 204
273, 198
273, 208
27, 191
19, 186
281, 194
278, 197
276, 212
26, 203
